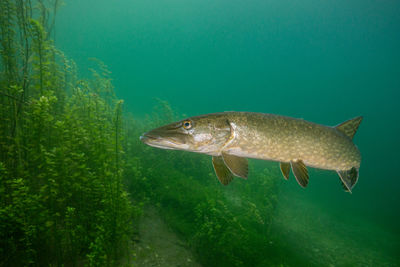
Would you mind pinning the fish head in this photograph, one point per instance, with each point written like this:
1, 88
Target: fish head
202, 134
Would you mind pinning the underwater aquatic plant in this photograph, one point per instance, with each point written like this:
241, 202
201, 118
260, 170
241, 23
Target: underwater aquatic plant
61, 195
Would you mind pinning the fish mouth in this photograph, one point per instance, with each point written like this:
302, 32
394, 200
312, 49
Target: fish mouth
159, 141
146, 137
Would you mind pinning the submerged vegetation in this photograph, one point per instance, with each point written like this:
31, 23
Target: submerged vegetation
74, 175
61, 194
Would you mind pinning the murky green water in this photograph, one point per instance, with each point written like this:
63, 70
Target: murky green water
323, 61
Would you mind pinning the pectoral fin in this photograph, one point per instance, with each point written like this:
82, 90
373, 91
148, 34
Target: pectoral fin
300, 172
349, 178
285, 169
237, 165
224, 175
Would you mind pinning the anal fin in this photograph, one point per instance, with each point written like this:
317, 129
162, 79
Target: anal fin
224, 175
285, 169
300, 171
348, 178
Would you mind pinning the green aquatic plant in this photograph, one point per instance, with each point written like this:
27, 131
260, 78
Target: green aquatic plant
62, 200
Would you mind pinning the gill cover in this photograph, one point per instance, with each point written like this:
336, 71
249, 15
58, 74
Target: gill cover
209, 134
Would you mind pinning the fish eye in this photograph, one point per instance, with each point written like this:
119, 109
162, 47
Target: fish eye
187, 124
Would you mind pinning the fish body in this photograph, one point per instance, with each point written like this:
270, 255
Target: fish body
232, 137
284, 139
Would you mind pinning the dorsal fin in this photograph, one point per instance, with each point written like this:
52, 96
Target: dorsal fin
349, 128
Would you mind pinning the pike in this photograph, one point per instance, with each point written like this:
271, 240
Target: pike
232, 137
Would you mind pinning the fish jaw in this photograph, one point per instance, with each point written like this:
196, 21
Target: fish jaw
161, 139
156, 143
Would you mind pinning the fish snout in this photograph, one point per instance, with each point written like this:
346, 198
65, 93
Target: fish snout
164, 138
143, 138
148, 137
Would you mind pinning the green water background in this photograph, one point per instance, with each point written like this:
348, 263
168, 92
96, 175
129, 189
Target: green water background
322, 61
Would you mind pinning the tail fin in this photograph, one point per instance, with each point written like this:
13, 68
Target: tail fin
348, 178
349, 128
